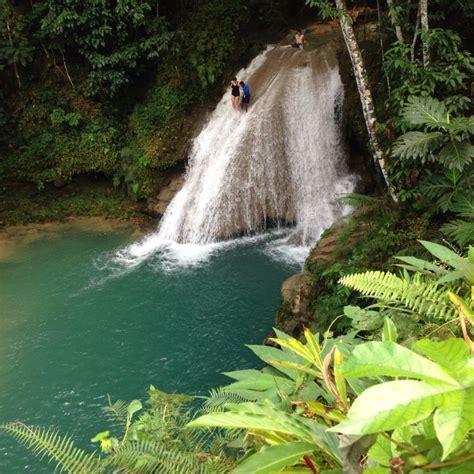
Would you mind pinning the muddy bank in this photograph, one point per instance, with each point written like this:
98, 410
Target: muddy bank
13, 238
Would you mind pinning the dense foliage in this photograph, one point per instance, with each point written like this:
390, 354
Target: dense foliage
101, 87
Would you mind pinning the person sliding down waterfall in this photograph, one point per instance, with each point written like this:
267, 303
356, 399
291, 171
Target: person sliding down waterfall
245, 96
235, 93
299, 40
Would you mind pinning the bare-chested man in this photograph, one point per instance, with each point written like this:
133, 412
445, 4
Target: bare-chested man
299, 40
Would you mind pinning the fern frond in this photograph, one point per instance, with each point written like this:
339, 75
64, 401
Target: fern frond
58, 449
443, 189
152, 456
422, 297
218, 398
117, 410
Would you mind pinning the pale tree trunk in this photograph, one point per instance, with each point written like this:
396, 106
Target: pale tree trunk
382, 49
364, 91
10, 41
395, 21
425, 29
415, 35
67, 70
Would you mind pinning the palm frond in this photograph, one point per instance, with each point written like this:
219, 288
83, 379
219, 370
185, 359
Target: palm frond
461, 229
58, 449
464, 205
423, 297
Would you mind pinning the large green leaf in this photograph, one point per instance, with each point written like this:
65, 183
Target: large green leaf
268, 354
452, 354
412, 145
448, 392
451, 258
381, 451
274, 458
256, 380
387, 358
456, 155
425, 111
258, 417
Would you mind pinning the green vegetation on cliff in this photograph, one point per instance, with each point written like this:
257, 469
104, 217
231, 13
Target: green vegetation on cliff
98, 88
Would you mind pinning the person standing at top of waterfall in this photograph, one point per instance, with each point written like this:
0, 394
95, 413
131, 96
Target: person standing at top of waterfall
299, 40
245, 95
235, 93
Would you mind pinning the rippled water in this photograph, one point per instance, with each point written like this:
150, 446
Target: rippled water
76, 326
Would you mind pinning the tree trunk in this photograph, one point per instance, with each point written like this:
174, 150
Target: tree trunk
10, 41
394, 20
382, 49
415, 35
364, 91
424, 30
67, 70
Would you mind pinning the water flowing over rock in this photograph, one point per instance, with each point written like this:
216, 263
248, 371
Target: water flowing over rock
282, 162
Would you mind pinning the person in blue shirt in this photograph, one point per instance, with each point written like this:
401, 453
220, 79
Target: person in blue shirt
245, 95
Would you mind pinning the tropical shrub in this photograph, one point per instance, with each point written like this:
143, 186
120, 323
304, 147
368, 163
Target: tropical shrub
439, 155
419, 420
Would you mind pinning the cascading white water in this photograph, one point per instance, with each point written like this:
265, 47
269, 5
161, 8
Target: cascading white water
281, 162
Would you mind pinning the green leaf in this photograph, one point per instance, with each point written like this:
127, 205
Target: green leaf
133, 407
443, 253
262, 381
425, 111
412, 145
268, 354
451, 353
387, 358
392, 404
390, 332
257, 417
381, 451
448, 392
454, 420
456, 155
274, 458
421, 265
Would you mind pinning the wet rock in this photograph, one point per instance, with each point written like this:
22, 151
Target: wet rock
157, 205
59, 182
295, 313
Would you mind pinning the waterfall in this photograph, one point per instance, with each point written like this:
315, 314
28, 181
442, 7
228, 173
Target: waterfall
282, 162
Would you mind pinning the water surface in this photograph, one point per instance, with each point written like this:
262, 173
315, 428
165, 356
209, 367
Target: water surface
75, 327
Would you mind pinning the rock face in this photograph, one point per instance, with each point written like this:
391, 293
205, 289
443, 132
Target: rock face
298, 292
295, 313
174, 182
